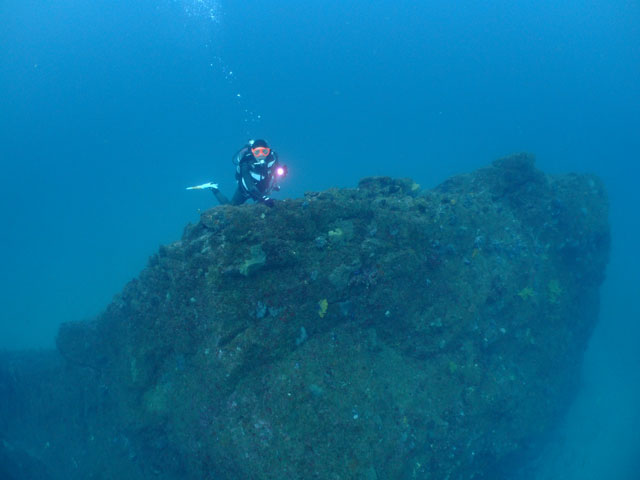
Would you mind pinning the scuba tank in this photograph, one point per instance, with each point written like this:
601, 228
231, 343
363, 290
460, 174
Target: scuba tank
241, 153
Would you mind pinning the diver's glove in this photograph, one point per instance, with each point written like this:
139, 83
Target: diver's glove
269, 202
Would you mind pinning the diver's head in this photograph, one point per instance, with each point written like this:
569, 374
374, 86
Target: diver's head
260, 149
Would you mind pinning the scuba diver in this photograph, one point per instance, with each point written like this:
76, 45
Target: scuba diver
257, 174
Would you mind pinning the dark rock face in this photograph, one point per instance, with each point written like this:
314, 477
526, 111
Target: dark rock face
374, 333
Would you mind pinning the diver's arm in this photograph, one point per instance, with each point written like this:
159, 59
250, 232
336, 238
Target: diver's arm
275, 185
248, 182
274, 178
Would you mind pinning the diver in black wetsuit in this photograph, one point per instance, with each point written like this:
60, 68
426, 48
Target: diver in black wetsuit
257, 173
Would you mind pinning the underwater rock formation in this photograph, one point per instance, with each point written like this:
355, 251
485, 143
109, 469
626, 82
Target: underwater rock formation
381, 332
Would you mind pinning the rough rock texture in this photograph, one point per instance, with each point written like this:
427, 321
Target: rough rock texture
372, 333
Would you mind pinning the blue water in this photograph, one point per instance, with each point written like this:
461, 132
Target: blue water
109, 109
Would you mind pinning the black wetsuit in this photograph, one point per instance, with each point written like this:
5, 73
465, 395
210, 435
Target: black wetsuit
256, 178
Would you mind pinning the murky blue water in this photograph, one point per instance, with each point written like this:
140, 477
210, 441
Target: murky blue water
109, 109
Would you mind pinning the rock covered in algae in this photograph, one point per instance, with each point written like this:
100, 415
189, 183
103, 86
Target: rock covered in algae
380, 332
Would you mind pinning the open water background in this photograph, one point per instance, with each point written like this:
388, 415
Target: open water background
109, 109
